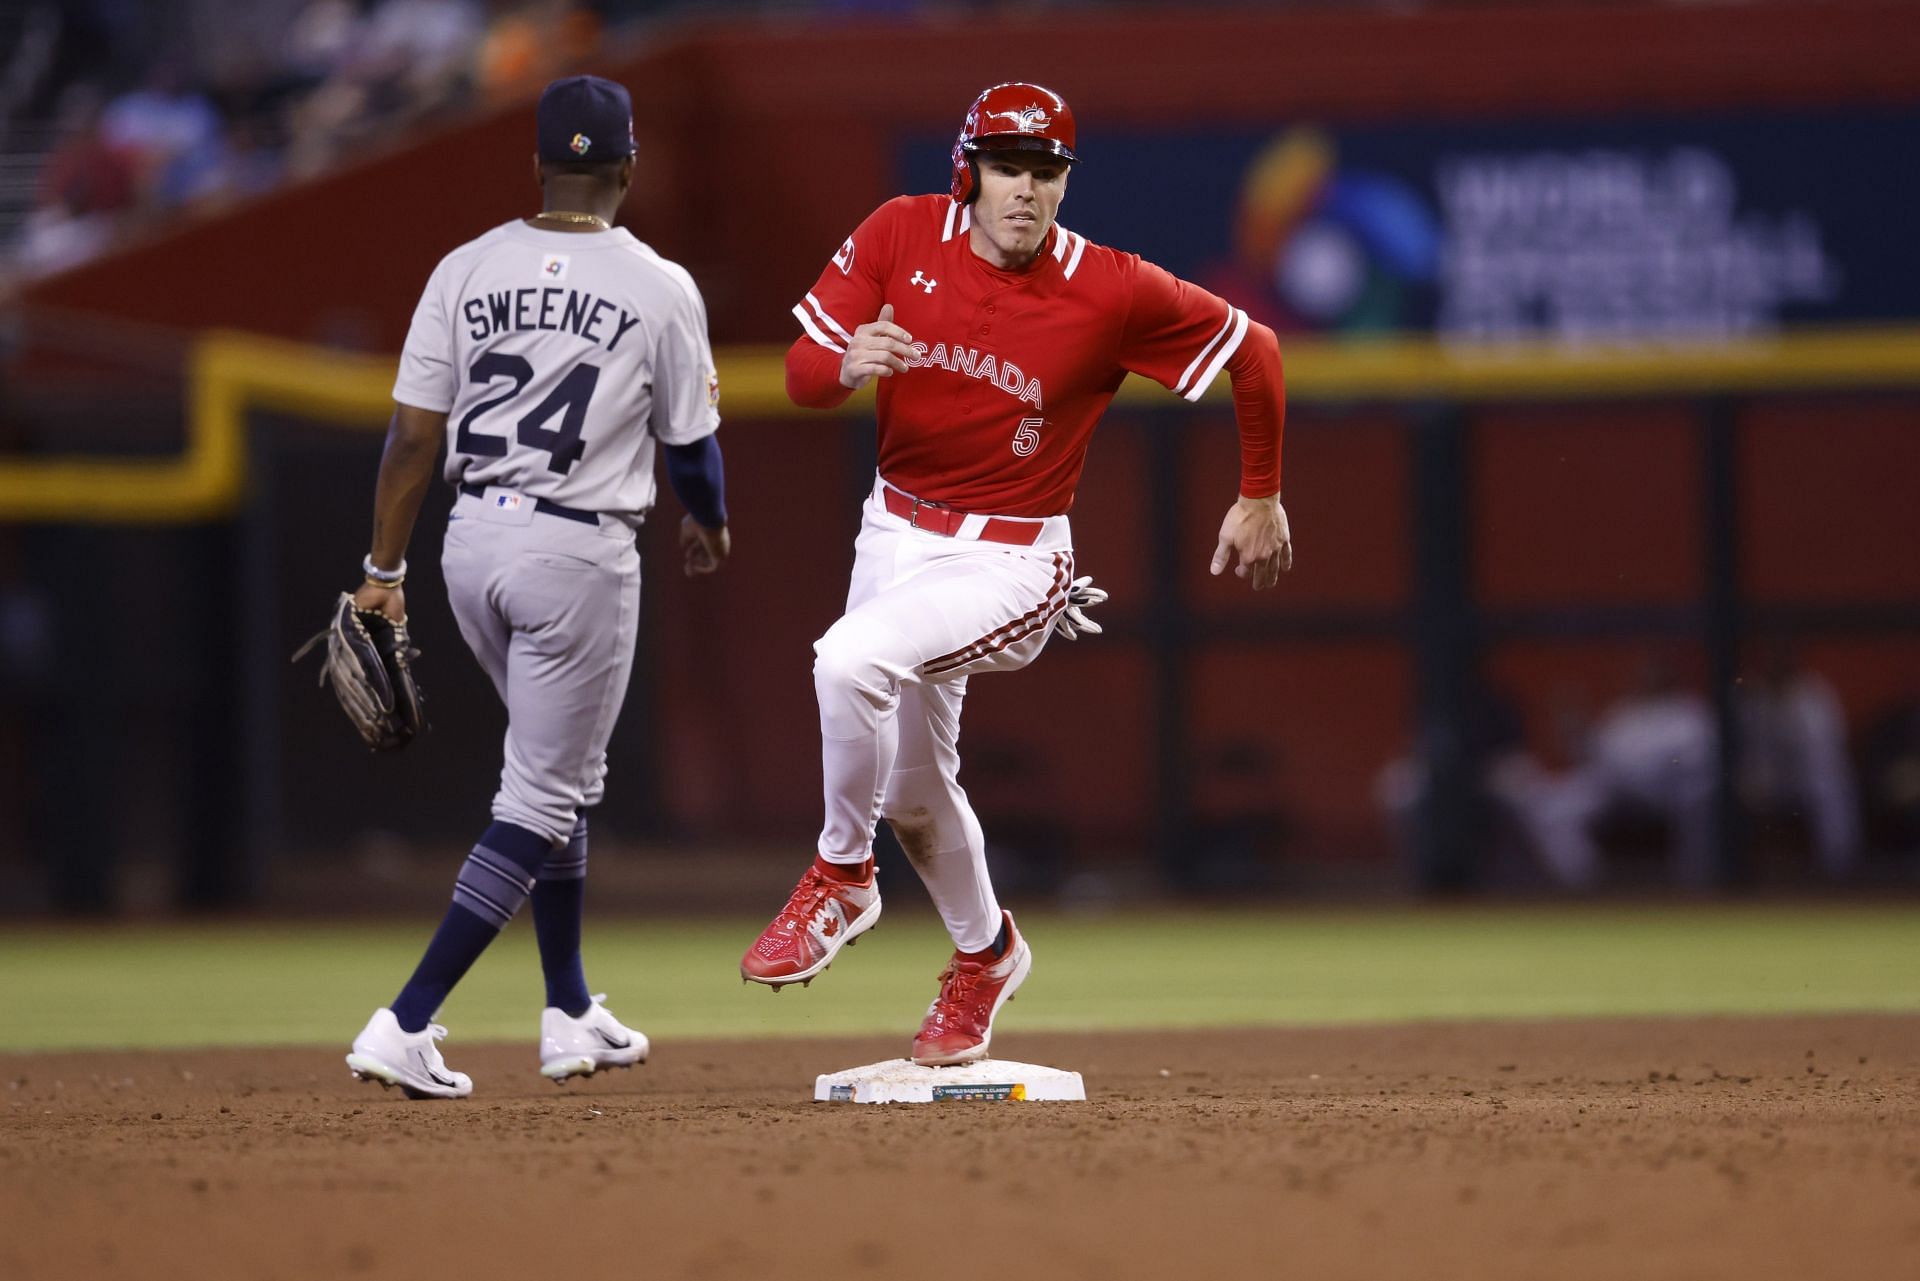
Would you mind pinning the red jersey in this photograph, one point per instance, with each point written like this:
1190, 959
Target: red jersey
1012, 369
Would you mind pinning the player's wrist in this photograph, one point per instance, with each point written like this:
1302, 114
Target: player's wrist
378, 577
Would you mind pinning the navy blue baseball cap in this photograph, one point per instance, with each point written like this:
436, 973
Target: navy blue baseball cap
585, 118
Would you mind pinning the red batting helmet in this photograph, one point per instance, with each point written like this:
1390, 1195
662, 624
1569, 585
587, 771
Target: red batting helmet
1014, 116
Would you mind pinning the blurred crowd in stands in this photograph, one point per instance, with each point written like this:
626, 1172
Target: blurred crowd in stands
119, 113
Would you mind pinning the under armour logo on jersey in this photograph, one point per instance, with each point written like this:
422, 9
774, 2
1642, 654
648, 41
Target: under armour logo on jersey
923, 280
1025, 120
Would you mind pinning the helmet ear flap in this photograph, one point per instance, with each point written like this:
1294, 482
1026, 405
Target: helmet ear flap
966, 175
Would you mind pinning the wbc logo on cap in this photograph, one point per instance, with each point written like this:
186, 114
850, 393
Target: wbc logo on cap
580, 144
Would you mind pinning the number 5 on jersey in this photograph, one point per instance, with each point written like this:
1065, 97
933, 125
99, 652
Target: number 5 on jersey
1026, 437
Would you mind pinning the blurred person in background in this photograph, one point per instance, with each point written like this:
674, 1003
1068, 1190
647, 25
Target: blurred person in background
1653, 754
163, 122
1793, 757
399, 62
422, 51
246, 164
88, 171
1503, 773
321, 38
89, 185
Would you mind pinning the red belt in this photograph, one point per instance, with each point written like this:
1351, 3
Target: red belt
937, 518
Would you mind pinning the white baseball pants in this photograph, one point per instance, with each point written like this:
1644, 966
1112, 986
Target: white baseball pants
925, 612
551, 608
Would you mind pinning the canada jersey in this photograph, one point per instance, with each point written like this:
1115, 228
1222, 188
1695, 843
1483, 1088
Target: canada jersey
1010, 369
559, 358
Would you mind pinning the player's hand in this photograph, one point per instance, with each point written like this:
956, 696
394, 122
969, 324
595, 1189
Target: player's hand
391, 601
1255, 531
705, 550
879, 350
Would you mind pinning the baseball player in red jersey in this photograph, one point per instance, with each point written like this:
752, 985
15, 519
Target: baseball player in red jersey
999, 337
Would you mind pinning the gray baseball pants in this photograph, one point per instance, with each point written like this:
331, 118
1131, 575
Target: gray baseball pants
551, 608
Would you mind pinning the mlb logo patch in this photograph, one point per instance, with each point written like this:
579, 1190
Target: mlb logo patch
554, 266
507, 502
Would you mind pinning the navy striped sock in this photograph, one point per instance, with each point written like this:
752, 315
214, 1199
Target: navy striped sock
492, 885
558, 898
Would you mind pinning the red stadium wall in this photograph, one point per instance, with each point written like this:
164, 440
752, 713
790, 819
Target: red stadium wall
761, 145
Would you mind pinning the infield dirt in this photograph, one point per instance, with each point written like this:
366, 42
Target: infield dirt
1749, 1148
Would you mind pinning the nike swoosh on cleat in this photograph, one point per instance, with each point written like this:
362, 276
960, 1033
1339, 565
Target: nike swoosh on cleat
625, 1043
427, 1070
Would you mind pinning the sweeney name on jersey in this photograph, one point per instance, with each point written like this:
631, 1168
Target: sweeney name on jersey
541, 307
956, 359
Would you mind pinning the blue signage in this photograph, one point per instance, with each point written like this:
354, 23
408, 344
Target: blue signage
1623, 230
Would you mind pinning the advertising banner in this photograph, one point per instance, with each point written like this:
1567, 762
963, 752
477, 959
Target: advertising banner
1624, 230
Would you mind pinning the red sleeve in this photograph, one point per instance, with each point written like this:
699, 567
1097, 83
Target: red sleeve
1260, 409
813, 376
1181, 336
848, 293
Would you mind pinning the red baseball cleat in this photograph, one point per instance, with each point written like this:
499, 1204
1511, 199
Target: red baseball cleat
959, 1023
822, 916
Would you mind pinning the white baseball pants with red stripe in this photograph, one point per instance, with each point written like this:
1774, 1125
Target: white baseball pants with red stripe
925, 612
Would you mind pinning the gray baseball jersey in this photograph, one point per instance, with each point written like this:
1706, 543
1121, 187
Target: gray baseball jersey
559, 358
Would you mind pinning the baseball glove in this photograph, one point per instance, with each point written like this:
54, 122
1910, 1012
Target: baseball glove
369, 660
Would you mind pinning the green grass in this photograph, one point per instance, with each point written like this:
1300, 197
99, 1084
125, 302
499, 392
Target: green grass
314, 984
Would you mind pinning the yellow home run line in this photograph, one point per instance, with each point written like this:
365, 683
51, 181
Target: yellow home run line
233, 374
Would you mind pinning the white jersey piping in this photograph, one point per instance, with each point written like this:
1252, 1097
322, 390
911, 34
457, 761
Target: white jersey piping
1238, 319
815, 332
1205, 351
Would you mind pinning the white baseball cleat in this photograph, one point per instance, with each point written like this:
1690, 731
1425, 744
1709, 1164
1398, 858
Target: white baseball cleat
571, 1047
386, 1053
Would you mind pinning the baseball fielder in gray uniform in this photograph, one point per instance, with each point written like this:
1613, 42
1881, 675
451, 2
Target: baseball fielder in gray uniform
549, 355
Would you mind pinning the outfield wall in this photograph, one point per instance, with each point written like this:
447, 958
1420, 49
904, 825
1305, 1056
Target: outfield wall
1582, 502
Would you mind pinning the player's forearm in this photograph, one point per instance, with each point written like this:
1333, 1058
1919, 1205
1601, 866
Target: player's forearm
406, 469
1260, 409
698, 477
813, 376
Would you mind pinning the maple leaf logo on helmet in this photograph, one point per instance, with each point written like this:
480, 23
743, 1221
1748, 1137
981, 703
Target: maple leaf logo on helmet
1017, 115
1025, 120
